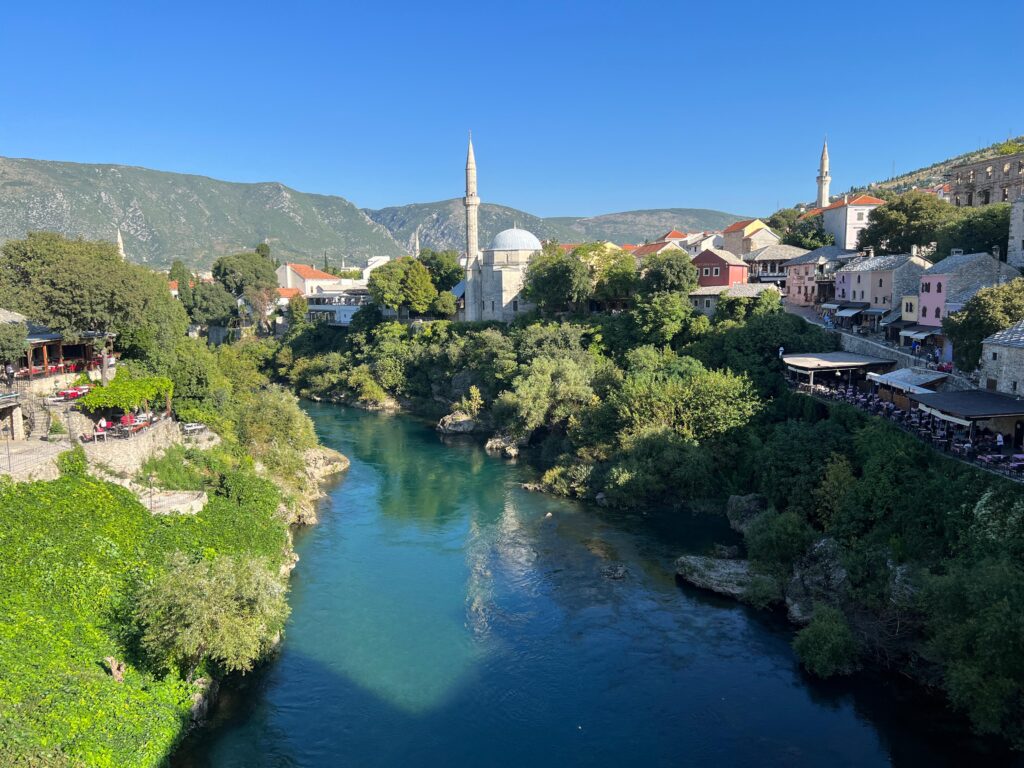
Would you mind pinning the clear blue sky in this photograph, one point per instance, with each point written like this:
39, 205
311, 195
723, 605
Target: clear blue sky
576, 108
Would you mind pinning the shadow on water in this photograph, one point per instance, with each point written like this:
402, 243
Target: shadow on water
444, 616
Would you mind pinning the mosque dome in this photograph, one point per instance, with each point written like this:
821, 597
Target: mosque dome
515, 240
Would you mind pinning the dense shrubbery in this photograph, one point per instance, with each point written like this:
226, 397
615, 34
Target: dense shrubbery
826, 646
75, 554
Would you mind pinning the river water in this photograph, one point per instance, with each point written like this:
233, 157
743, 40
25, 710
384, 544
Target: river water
443, 616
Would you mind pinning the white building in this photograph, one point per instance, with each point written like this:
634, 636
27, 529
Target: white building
846, 217
306, 278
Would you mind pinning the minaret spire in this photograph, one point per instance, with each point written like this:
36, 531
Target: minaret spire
120, 245
416, 243
824, 177
473, 296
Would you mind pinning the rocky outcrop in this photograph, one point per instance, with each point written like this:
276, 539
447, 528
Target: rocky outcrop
320, 463
504, 445
818, 577
724, 576
741, 510
203, 699
457, 423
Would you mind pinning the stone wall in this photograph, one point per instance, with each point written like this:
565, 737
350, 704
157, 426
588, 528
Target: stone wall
124, 457
1006, 372
861, 346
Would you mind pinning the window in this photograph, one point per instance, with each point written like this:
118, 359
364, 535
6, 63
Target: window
924, 311
879, 282
1006, 169
985, 197
938, 287
907, 307
1013, 386
715, 272
938, 312
995, 355
707, 303
970, 199
1006, 194
860, 215
492, 306
515, 305
706, 271
988, 172
956, 201
858, 279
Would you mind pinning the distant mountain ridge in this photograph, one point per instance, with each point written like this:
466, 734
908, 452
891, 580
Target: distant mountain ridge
442, 225
165, 216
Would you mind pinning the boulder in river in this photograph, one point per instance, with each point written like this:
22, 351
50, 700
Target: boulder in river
818, 577
504, 445
726, 576
457, 423
741, 510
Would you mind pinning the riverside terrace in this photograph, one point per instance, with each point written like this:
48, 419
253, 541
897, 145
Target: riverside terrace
982, 428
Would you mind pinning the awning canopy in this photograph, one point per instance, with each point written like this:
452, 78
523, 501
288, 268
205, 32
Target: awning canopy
914, 380
970, 405
875, 311
829, 305
807, 362
944, 416
919, 331
848, 312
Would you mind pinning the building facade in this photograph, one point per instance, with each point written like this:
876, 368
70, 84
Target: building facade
996, 180
811, 278
845, 218
720, 268
1002, 361
1015, 253
746, 236
767, 265
705, 299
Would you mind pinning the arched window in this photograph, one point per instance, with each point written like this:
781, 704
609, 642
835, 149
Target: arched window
924, 311
938, 312
938, 287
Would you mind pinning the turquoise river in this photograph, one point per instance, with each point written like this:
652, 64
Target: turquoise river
444, 616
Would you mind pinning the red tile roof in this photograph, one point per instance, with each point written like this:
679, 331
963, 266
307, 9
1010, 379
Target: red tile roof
307, 272
649, 248
628, 247
673, 234
739, 225
172, 284
288, 293
568, 247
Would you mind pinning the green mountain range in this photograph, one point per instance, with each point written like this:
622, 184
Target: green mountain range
165, 216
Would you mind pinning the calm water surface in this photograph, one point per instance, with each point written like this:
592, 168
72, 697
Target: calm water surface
442, 616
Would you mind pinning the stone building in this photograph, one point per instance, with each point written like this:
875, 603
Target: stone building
995, 180
494, 278
748, 235
766, 264
1002, 360
705, 298
1015, 253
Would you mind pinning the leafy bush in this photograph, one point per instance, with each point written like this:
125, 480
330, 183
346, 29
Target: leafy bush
72, 463
775, 539
826, 646
228, 609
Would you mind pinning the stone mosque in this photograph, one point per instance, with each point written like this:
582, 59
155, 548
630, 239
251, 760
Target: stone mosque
494, 278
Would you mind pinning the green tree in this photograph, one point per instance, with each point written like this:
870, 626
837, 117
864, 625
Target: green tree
228, 610
263, 249
13, 342
211, 304
665, 318
976, 230
555, 280
298, 308
669, 271
445, 270
79, 286
809, 233
826, 647
989, 310
417, 287
443, 304
616, 278
783, 220
243, 272
913, 219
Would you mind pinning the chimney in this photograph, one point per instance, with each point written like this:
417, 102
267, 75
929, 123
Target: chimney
869, 252
846, 199
996, 252
914, 250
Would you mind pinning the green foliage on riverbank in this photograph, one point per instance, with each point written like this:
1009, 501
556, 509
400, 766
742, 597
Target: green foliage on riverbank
74, 554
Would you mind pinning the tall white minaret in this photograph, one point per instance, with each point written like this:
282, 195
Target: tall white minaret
824, 179
120, 245
473, 296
